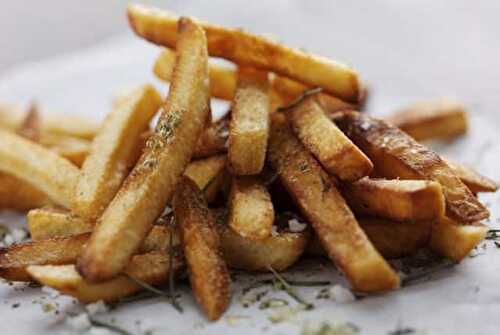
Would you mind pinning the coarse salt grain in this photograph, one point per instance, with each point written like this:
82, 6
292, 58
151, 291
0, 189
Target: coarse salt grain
295, 226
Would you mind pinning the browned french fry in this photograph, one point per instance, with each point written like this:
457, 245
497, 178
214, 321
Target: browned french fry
326, 141
213, 140
399, 200
475, 181
208, 174
17, 194
251, 212
208, 273
159, 27
48, 222
329, 215
249, 125
143, 195
397, 155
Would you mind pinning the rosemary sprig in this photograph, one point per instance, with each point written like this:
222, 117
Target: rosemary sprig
112, 327
299, 99
493, 234
171, 279
290, 290
413, 277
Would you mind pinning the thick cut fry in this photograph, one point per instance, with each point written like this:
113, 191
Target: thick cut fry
208, 174
397, 155
249, 125
326, 141
432, 119
150, 185
37, 165
331, 218
208, 273
152, 268
158, 27
213, 140
17, 194
456, 241
112, 152
399, 200
475, 181
50, 222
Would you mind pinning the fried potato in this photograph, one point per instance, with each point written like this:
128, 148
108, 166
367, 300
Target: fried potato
208, 272
251, 212
213, 140
208, 174
243, 48
475, 181
17, 194
397, 155
38, 166
399, 200
454, 241
329, 215
11, 116
334, 150
151, 268
442, 118
72, 148
70, 126
30, 128
113, 152
143, 195
48, 222
249, 125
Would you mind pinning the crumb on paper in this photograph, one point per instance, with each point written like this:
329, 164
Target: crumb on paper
52, 293
233, 320
283, 314
326, 328
341, 294
79, 322
95, 308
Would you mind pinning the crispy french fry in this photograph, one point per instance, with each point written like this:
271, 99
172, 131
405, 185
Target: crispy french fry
208, 272
70, 126
442, 118
38, 166
112, 152
399, 200
150, 185
213, 140
72, 148
152, 268
397, 155
48, 222
208, 174
326, 141
475, 181
158, 27
251, 212
249, 125
17, 194
329, 215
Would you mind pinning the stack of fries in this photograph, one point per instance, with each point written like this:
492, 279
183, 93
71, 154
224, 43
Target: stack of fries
293, 169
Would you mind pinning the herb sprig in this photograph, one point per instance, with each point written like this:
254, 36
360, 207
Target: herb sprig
290, 290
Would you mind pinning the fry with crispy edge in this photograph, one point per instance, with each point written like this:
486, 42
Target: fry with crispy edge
151, 268
249, 125
475, 181
17, 194
112, 152
397, 155
398, 200
334, 150
159, 27
208, 174
150, 185
329, 215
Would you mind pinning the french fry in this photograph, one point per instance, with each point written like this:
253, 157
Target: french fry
74, 149
243, 48
143, 195
48, 222
17, 194
329, 215
152, 268
334, 150
38, 166
208, 174
475, 181
399, 200
11, 116
112, 152
30, 127
249, 125
70, 126
213, 140
442, 118
208, 272
251, 212
397, 155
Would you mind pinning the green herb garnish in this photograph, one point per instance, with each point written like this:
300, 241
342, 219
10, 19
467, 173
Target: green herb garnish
171, 279
290, 290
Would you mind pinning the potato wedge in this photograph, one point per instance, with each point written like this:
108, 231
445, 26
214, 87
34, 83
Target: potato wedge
208, 272
334, 150
158, 26
112, 152
152, 268
329, 215
397, 155
475, 181
440, 119
48, 222
17, 194
150, 185
249, 125
213, 140
398, 200
251, 212
208, 174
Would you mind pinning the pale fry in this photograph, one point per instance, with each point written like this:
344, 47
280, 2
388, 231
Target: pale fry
329, 215
399, 200
397, 155
475, 181
208, 272
17, 194
48, 222
249, 125
112, 152
208, 174
243, 48
150, 185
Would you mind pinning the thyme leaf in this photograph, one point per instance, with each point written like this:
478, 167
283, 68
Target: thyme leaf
299, 99
171, 279
290, 290
112, 327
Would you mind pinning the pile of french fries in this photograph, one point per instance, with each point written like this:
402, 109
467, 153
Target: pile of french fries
118, 201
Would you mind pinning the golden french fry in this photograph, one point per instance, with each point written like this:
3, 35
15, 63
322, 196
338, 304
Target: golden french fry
329, 215
17, 194
397, 155
208, 174
143, 195
48, 222
213, 140
249, 125
73, 149
159, 27
475, 181
399, 200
